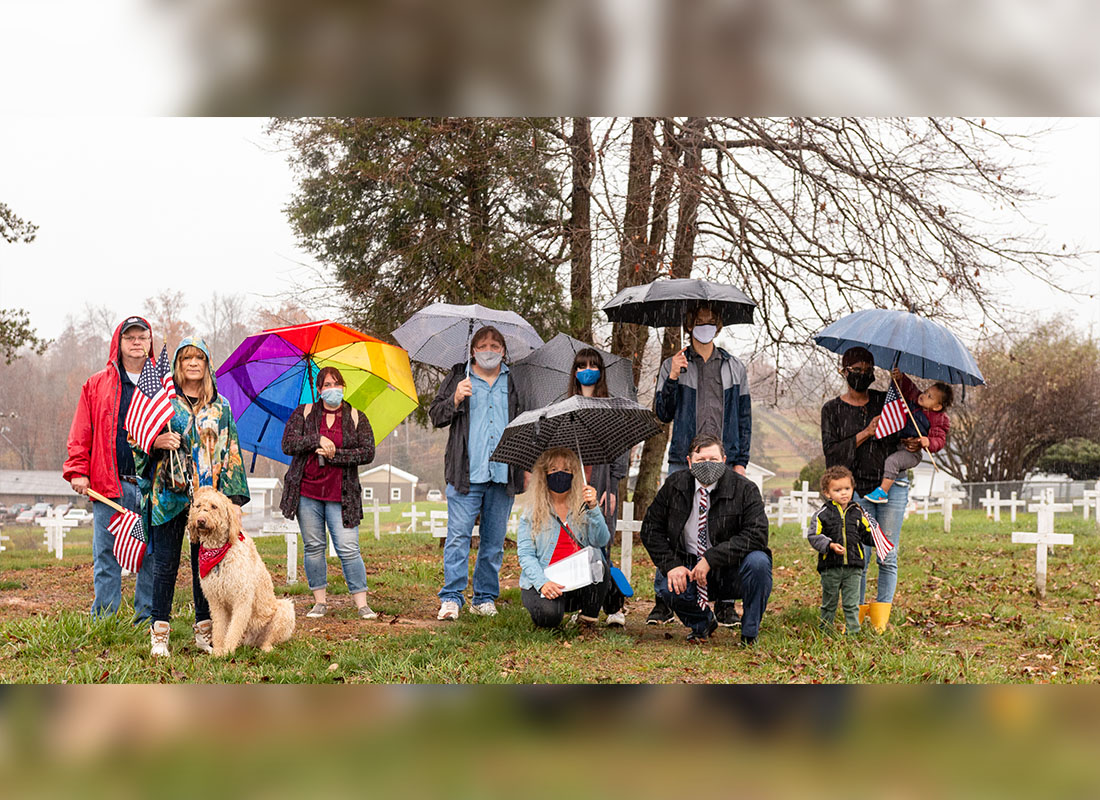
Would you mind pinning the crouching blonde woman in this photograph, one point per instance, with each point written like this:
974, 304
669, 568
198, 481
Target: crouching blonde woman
561, 516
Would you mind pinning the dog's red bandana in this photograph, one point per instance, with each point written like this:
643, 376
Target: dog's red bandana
208, 559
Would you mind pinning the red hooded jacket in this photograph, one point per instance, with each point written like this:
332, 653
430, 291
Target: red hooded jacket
92, 435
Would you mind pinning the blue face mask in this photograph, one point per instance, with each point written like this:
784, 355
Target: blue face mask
559, 482
588, 377
333, 396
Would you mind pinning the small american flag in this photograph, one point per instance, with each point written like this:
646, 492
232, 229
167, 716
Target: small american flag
130, 539
882, 544
893, 414
151, 406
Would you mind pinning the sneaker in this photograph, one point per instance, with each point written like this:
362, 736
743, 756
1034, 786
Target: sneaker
366, 612
660, 615
204, 635
700, 638
158, 633
616, 620
486, 609
726, 615
877, 496
448, 610
318, 610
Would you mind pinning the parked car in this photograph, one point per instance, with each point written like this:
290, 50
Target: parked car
40, 509
25, 517
435, 496
17, 509
3, 511
80, 516
63, 508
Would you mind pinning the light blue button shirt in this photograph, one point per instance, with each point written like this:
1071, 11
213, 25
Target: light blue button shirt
488, 418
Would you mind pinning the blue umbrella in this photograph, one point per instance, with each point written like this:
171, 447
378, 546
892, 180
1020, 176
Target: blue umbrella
920, 346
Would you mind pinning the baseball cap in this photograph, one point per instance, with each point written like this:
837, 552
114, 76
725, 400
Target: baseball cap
134, 322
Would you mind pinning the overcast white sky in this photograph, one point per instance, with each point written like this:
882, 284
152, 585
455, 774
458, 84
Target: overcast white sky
129, 206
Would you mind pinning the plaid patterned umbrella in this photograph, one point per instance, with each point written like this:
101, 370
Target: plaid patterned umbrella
663, 303
544, 375
440, 334
599, 429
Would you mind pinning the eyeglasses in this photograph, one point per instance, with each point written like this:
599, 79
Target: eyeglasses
137, 338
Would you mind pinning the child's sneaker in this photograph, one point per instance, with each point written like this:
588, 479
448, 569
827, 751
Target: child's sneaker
877, 496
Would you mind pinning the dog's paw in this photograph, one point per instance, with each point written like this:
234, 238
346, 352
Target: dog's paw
267, 647
220, 652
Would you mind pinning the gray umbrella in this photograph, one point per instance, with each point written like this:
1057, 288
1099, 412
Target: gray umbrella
440, 334
664, 303
599, 429
545, 373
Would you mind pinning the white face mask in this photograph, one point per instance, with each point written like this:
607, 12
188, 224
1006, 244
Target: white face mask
704, 334
488, 359
333, 396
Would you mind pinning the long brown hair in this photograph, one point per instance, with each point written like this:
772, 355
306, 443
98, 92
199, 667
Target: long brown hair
587, 357
207, 396
536, 500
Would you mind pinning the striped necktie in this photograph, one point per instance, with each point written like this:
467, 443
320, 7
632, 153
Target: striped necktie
704, 544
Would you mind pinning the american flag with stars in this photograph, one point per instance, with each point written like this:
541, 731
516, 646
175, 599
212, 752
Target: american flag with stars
130, 539
893, 414
151, 406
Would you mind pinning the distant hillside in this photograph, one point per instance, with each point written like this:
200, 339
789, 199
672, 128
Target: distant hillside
783, 440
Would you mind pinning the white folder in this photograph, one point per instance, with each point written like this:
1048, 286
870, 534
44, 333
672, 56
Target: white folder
581, 569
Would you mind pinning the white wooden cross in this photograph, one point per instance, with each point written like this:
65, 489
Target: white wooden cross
1043, 539
376, 509
513, 524
1090, 499
784, 508
413, 516
949, 501
56, 527
437, 524
927, 509
3, 539
627, 526
1045, 510
289, 531
803, 498
988, 503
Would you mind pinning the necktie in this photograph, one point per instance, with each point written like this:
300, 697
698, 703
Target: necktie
704, 544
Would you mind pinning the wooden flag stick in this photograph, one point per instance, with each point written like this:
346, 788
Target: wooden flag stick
909, 413
97, 496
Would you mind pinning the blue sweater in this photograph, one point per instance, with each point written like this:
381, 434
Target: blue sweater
534, 552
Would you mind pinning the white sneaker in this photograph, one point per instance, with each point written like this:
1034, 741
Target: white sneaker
616, 620
448, 610
486, 609
204, 636
158, 632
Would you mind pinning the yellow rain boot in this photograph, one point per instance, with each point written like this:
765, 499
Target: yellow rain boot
880, 615
864, 609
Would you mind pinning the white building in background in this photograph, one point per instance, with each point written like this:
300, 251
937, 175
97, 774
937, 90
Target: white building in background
930, 482
387, 483
263, 493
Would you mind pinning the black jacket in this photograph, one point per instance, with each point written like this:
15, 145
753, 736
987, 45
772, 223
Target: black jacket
442, 412
840, 423
851, 528
737, 524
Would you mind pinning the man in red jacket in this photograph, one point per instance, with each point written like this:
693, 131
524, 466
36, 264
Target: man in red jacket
100, 458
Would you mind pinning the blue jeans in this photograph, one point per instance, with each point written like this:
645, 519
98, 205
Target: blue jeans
752, 579
493, 502
313, 515
889, 516
106, 572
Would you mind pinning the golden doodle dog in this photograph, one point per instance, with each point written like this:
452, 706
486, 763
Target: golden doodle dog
238, 586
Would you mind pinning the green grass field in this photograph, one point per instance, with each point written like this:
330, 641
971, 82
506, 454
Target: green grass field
965, 612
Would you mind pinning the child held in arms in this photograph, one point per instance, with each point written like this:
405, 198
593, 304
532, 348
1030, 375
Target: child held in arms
838, 531
927, 419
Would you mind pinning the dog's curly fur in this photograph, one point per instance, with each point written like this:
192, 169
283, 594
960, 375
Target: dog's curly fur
243, 607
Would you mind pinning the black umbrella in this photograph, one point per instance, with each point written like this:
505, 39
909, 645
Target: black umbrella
598, 429
545, 373
664, 303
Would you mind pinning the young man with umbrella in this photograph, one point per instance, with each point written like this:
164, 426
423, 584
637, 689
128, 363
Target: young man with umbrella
703, 390
476, 401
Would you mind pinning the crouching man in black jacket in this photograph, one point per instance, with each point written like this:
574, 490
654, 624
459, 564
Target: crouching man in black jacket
706, 531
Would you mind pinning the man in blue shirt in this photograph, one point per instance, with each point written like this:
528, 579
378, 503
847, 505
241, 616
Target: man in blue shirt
477, 402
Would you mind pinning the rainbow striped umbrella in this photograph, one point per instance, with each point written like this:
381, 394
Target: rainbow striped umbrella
273, 372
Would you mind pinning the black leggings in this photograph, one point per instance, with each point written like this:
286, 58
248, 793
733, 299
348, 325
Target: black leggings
167, 543
546, 613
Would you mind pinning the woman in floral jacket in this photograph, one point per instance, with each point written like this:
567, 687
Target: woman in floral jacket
199, 448
328, 441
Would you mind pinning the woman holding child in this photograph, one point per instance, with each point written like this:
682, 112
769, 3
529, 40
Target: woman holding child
848, 438
560, 518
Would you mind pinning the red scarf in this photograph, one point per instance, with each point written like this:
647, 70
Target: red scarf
208, 559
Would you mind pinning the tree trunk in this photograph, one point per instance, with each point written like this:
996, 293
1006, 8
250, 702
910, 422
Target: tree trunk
580, 230
649, 470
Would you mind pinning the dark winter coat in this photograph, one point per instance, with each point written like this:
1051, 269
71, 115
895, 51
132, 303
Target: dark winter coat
840, 423
850, 527
456, 461
736, 522
302, 437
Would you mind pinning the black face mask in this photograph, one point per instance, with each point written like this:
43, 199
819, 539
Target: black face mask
860, 381
559, 482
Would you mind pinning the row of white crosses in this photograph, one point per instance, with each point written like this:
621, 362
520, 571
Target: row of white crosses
946, 505
796, 505
993, 504
1045, 538
1090, 500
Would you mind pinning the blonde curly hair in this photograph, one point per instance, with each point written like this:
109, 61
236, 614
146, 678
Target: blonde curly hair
536, 500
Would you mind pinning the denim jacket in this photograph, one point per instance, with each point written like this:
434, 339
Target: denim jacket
534, 552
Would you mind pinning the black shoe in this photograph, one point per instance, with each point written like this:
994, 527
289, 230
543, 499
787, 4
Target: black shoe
660, 614
747, 641
697, 638
726, 615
